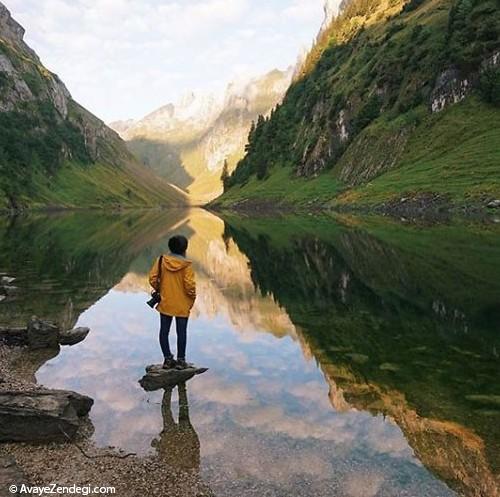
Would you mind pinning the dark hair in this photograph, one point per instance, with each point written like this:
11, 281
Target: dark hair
178, 244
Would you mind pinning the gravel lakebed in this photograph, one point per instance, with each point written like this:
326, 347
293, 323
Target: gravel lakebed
79, 462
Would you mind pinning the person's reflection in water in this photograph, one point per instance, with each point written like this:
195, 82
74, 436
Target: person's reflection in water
178, 444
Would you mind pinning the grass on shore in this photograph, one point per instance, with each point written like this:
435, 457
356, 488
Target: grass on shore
98, 186
281, 186
453, 153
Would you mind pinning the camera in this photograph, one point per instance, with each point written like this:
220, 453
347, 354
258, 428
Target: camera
155, 299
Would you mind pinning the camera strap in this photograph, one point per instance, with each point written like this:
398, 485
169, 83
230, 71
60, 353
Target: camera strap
160, 263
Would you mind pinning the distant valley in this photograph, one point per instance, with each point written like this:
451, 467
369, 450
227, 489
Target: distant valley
188, 142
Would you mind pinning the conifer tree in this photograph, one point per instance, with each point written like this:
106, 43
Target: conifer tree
224, 177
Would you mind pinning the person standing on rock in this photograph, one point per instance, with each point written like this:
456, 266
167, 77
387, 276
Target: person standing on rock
172, 278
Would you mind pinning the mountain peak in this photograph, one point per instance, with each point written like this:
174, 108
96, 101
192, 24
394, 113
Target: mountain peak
202, 107
330, 9
191, 110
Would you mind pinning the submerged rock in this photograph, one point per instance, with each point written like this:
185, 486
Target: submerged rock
485, 400
74, 336
156, 377
41, 415
358, 358
389, 366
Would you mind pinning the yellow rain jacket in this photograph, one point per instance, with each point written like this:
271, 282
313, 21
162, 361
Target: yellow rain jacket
177, 287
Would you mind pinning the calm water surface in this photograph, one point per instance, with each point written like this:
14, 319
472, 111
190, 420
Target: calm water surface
346, 358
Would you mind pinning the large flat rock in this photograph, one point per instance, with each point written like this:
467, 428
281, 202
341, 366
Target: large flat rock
41, 415
156, 377
74, 336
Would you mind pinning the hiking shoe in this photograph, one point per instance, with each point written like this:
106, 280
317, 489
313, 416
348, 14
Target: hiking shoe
182, 364
169, 363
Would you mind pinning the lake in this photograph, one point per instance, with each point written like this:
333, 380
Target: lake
347, 356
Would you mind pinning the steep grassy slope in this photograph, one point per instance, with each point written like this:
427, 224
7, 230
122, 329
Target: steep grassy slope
455, 153
381, 102
54, 152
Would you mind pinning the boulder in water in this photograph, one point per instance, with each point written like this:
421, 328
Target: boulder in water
40, 334
41, 415
357, 358
156, 377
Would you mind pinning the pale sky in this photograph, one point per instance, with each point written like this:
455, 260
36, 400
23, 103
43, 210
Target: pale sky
124, 58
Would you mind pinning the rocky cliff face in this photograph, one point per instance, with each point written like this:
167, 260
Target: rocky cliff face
18, 90
26, 81
454, 84
42, 128
242, 104
190, 140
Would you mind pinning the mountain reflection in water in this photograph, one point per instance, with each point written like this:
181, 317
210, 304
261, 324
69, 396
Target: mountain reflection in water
344, 360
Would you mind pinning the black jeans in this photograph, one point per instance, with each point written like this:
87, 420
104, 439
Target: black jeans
181, 328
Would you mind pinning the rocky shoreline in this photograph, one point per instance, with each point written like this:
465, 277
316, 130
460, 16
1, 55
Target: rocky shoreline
423, 206
419, 206
32, 452
66, 465
434, 206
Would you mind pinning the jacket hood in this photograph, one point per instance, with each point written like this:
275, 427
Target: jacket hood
173, 263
